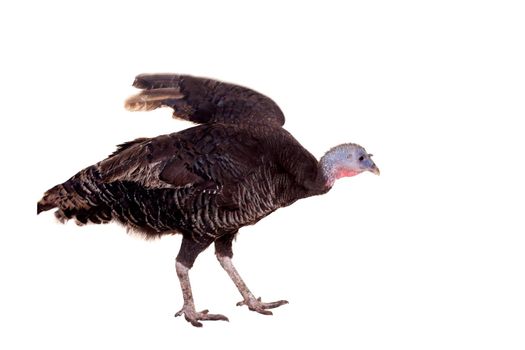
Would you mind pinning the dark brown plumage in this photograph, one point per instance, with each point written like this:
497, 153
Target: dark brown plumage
205, 182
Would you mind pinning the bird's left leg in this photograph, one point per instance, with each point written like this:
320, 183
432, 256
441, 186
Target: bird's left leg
224, 253
185, 259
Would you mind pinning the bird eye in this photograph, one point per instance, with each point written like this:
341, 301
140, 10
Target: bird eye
361, 158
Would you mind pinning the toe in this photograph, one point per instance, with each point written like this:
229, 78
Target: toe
275, 304
263, 311
194, 317
260, 307
179, 313
194, 323
215, 317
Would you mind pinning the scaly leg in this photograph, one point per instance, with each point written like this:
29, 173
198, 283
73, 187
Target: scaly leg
185, 259
224, 253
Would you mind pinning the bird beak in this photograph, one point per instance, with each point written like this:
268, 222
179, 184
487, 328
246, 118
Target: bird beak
369, 165
374, 169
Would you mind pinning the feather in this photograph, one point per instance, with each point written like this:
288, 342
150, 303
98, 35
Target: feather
149, 100
203, 101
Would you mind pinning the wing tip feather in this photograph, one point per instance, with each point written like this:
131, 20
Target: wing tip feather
148, 100
147, 81
137, 103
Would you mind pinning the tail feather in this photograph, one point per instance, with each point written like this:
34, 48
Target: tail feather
43, 205
49, 200
76, 198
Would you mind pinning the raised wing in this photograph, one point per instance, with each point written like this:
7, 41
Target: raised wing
203, 101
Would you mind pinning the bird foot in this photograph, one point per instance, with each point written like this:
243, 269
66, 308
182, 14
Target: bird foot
194, 317
262, 308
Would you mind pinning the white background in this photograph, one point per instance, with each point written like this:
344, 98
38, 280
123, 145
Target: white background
430, 255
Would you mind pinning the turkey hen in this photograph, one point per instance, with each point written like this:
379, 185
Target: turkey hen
206, 182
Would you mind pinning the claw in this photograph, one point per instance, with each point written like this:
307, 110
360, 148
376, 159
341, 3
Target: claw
194, 317
260, 307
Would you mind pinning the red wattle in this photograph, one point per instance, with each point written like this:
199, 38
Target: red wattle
345, 173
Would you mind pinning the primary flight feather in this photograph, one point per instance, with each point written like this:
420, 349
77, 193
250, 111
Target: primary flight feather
206, 182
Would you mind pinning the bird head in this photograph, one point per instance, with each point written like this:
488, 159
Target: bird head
348, 159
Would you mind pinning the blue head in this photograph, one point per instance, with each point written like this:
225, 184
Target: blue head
348, 159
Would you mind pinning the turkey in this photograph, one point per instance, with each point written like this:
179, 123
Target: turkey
234, 168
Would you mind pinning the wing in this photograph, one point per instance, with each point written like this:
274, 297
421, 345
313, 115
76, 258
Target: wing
203, 101
208, 158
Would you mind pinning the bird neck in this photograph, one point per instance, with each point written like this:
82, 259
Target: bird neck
326, 170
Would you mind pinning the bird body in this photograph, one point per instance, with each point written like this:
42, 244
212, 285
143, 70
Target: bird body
205, 182
189, 183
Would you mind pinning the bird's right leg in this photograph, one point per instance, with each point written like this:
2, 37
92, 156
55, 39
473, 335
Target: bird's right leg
189, 251
224, 253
